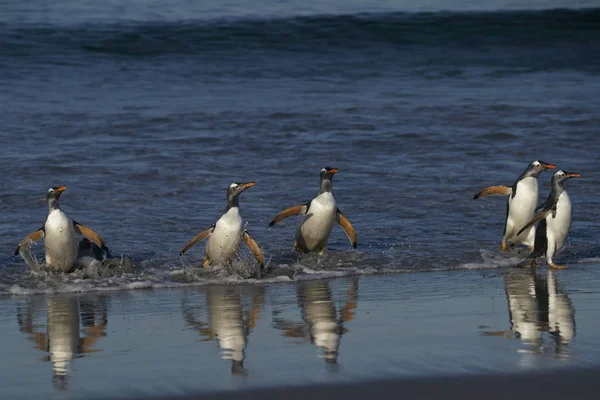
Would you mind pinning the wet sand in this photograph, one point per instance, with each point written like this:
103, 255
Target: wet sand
442, 327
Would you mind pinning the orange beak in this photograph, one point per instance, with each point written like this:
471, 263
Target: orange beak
60, 189
332, 171
574, 175
549, 166
247, 185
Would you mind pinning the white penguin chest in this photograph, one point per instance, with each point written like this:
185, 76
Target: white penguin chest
522, 205
319, 219
225, 239
59, 227
558, 225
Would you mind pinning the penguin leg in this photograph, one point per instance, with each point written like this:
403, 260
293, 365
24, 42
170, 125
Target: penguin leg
504, 245
533, 263
552, 265
206, 262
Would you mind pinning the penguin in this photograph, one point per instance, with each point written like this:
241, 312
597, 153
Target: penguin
60, 235
555, 221
225, 236
318, 217
521, 204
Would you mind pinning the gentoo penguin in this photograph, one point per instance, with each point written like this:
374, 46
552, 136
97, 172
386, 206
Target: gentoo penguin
225, 236
228, 321
520, 207
60, 235
318, 217
555, 221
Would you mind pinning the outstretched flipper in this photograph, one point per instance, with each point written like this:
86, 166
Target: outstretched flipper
296, 210
249, 241
32, 237
347, 227
89, 233
535, 219
493, 190
197, 239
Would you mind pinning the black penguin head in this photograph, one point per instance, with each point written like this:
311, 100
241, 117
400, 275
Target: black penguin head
234, 190
326, 179
327, 172
561, 176
537, 167
53, 195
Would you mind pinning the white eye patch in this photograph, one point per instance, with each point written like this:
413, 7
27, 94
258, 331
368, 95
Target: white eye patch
536, 163
234, 186
50, 190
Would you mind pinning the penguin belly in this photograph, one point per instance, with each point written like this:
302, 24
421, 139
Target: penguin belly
60, 242
521, 209
557, 227
315, 227
224, 242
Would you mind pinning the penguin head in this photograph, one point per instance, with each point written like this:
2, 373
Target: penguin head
537, 167
327, 172
53, 195
234, 190
326, 179
561, 176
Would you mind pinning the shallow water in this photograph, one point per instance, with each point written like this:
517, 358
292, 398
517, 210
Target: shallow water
206, 339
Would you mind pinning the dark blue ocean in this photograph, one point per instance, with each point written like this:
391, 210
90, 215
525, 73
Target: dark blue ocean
147, 111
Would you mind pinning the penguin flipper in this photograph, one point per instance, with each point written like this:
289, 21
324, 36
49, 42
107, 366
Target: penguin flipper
89, 233
249, 241
493, 190
296, 210
535, 219
347, 227
197, 239
32, 237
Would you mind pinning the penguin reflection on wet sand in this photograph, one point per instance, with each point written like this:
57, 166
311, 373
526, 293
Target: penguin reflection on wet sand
74, 325
60, 236
537, 304
225, 236
521, 204
318, 217
227, 321
555, 221
322, 325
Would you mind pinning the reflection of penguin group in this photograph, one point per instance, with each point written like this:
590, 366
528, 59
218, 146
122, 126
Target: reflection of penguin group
224, 237
554, 219
536, 304
74, 325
